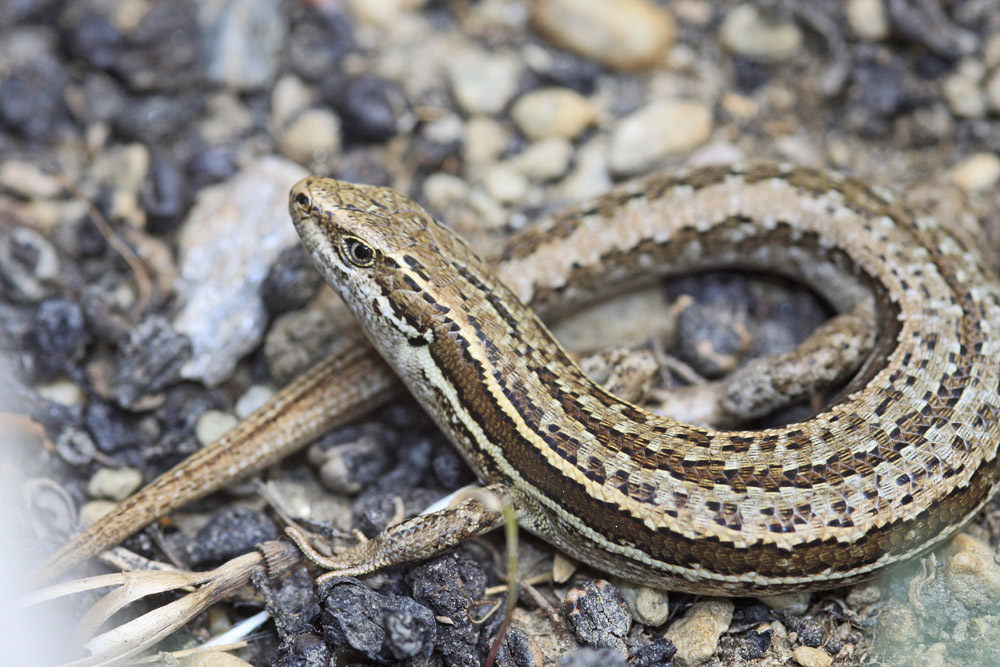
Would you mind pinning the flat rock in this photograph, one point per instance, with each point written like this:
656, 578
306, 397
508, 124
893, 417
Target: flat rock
228, 242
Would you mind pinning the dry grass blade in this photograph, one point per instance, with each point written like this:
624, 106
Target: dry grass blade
145, 631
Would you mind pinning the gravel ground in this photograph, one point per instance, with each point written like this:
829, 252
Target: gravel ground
152, 291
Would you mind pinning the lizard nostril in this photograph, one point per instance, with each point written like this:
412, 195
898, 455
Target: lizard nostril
302, 199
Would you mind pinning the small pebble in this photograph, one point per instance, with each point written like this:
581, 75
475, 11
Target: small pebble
589, 176
483, 141
979, 171
750, 33
520, 650
697, 634
443, 190
313, 135
598, 614
290, 96
95, 510
114, 483
252, 400
212, 425
296, 340
544, 160
993, 91
553, 112
963, 91
350, 459
649, 606
625, 34
62, 391
164, 194
812, 657
483, 82
379, 13
868, 19
562, 568
793, 604
863, 594
505, 183
27, 180
810, 631
657, 131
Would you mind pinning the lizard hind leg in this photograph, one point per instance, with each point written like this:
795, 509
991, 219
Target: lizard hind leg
416, 538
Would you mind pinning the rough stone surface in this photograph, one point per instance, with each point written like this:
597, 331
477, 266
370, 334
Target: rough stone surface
697, 634
228, 242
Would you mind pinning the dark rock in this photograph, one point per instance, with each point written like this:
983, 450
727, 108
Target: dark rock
116, 432
210, 164
450, 469
756, 644
449, 585
291, 282
150, 359
810, 631
383, 628
365, 105
230, 533
569, 71
157, 118
354, 457
657, 653
517, 650
59, 336
103, 98
293, 605
164, 195
755, 613
95, 40
320, 37
749, 75
305, 650
376, 506
31, 103
598, 614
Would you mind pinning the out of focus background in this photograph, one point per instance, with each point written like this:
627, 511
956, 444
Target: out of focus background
152, 291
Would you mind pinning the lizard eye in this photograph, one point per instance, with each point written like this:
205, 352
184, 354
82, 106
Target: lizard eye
302, 199
357, 252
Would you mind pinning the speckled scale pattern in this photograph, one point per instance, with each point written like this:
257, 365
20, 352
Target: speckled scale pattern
895, 466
